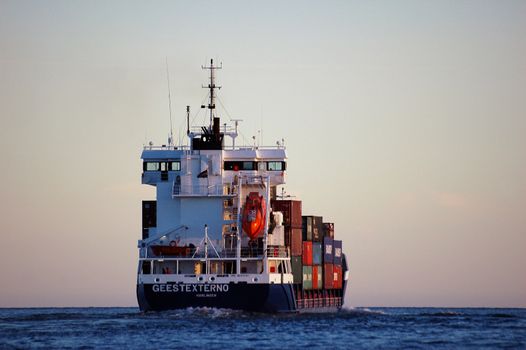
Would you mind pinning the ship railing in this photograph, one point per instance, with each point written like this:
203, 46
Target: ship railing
203, 190
166, 148
277, 252
225, 147
188, 253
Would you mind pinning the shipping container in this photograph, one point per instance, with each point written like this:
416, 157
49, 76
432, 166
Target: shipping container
328, 229
328, 276
307, 228
307, 253
317, 253
317, 277
297, 269
337, 252
337, 273
293, 240
328, 258
291, 212
317, 228
307, 277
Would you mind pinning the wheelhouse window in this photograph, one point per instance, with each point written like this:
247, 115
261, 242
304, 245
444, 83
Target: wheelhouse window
175, 166
275, 166
248, 165
162, 166
151, 166
240, 165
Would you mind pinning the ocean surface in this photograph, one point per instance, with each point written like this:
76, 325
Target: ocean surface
360, 328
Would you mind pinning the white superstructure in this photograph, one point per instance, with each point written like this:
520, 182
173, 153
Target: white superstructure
193, 232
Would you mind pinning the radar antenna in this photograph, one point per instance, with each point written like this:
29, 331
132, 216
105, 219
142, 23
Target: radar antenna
171, 139
211, 86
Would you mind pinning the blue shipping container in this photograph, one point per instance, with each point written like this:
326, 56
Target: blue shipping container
328, 257
316, 253
337, 252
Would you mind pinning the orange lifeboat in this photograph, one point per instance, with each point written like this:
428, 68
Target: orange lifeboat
254, 215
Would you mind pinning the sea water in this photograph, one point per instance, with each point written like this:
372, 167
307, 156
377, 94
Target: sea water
203, 328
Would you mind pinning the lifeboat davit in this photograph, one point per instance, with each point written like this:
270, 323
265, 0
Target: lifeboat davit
254, 215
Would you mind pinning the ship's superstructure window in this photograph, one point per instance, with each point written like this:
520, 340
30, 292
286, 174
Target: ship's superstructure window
175, 166
276, 166
162, 166
248, 165
240, 165
243, 165
151, 166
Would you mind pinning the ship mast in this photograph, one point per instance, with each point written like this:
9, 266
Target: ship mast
211, 86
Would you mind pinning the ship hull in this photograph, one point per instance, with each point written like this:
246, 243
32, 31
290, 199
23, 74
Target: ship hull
268, 298
238, 296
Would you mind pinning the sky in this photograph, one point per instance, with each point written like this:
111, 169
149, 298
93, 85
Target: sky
404, 123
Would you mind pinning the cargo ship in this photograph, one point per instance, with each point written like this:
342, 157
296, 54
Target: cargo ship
220, 235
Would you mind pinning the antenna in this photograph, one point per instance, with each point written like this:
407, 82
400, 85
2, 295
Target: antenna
170, 143
212, 86
187, 120
236, 123
284, 194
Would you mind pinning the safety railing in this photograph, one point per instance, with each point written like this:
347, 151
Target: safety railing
202, 190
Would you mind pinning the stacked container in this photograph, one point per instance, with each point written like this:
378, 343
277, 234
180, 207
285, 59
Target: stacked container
307, 253
317, 229
292, 221
328, 274
307, 277
317, 277
297, 268
337, 252
328, 229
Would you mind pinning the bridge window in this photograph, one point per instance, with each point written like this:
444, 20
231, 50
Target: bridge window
175, 166
276, 166
162, 166
151, 166
240, 165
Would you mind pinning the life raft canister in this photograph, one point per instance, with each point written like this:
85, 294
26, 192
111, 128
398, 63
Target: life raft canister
254, 215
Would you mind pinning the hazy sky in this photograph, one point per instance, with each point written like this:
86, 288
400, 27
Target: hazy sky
404, 121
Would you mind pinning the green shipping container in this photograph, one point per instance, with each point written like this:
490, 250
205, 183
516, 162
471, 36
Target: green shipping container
297, 269
307, 277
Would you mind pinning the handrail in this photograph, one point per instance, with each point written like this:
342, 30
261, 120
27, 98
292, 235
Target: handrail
188, 253
202, 190
225, 147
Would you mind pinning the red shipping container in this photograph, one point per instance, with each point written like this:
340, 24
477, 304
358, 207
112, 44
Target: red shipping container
295, 241
291, 212
315, 277
307, 253
337, 277
328, 276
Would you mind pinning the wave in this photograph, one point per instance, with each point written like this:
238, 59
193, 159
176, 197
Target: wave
198, 312
441, 314
361, 311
